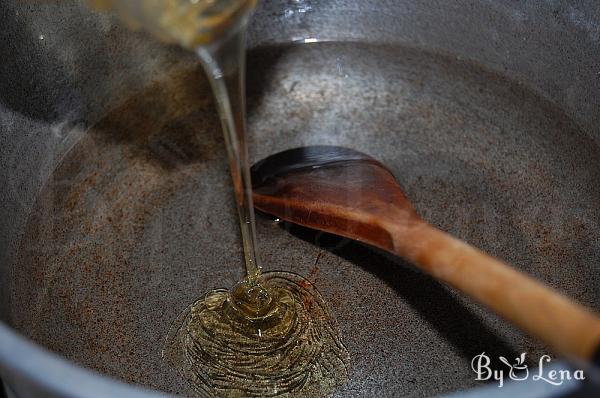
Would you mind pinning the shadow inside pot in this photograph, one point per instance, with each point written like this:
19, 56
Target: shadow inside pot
458, 324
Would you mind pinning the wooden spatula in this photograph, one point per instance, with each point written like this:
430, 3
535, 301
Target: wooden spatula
348, 193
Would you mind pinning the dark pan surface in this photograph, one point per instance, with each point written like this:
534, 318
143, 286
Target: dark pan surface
138, 219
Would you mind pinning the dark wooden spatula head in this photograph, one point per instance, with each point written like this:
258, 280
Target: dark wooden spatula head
333, 189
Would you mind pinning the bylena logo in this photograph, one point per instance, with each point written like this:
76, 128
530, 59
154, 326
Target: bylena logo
518, 371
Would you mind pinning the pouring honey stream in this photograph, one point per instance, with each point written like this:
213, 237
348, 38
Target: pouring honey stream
271, 333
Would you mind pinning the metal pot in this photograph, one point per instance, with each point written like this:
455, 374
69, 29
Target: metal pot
115, 199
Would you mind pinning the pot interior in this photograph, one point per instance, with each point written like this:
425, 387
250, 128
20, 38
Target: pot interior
138, 219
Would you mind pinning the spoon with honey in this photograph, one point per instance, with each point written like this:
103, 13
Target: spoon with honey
348, 193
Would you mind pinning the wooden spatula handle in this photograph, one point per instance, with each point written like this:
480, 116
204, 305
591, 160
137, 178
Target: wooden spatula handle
561, 323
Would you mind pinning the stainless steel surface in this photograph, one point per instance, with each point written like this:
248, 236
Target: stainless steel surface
116, 198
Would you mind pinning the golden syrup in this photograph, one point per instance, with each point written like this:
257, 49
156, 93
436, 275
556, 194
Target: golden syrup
293, 348
270, 334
